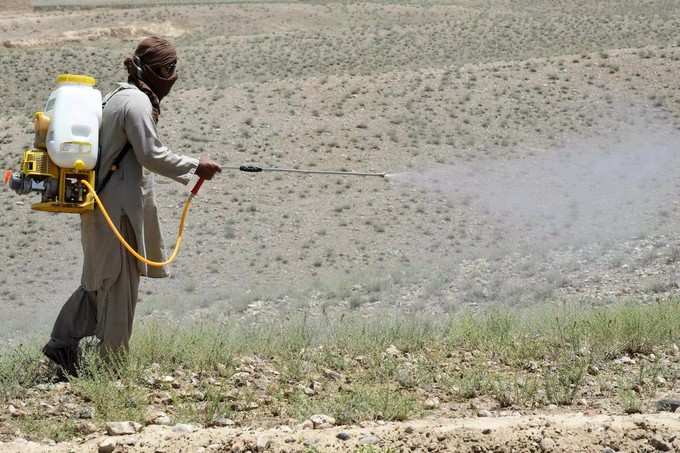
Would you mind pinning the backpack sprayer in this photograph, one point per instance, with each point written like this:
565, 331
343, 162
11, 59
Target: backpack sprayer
61, 164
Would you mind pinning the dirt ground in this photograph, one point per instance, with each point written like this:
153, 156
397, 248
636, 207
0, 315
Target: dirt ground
15, 5
503, 189
570, 432
531, 152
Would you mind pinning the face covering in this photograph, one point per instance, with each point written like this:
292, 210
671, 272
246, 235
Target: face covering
153, 54
159, 85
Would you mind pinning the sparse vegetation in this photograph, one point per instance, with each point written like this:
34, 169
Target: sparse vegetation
472, 280
360, 370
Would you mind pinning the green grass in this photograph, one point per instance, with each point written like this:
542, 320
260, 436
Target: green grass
359, 402
57, 430
523, 359
113, 388
19, 369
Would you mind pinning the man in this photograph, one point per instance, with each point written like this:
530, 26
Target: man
104, 304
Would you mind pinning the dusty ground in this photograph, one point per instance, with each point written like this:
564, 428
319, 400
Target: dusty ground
392, 88
500, 120
570, 432
15, 5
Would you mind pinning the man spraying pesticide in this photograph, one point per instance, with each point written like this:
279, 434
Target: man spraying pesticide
90, 157
66, 168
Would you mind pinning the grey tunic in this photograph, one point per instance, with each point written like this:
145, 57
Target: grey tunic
129, 193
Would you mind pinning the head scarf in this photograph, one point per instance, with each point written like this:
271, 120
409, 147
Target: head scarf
153, 52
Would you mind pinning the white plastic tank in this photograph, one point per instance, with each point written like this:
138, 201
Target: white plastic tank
75, 112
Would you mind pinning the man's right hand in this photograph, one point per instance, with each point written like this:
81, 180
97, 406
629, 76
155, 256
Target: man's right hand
207, 168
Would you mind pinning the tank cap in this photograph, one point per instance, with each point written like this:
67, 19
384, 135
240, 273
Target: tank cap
76, 78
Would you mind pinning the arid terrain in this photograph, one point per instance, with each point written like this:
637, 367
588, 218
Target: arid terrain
532, 161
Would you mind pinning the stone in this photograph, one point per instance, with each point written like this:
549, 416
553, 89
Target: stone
86, 428
547, 444
122, 428
183, 428
223, 422
107, 446
432, 403
667, 405
241, 378
307, 424
158, 418
249, 406
393, 351
405, 377
331, 374
86, 412
308, 391
608, 450
163, 397
369, 440
262, 443
244, 444
625, 360
343, 436
484, 413
659, 444
531, 366
321, 421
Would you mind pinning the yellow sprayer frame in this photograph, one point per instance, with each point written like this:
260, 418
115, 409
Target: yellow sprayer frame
36, 162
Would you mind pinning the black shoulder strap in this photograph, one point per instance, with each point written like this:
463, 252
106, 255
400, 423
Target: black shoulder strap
114, 166
119, 158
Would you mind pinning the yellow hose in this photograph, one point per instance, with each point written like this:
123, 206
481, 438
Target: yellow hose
129, 248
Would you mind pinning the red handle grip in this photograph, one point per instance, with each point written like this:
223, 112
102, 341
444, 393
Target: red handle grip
197, 187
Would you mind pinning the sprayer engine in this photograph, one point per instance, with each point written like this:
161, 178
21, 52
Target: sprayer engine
59, 188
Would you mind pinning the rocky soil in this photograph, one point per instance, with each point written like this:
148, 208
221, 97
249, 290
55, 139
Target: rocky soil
255, 407
532, 152
541, 432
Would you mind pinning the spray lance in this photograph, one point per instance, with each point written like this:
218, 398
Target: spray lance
255, 169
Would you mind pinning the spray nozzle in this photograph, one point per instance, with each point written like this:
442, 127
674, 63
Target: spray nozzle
250, 168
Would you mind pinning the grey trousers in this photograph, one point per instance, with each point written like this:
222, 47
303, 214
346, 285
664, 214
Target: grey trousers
107, 312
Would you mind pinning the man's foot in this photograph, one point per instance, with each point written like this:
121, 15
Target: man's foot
65, 355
